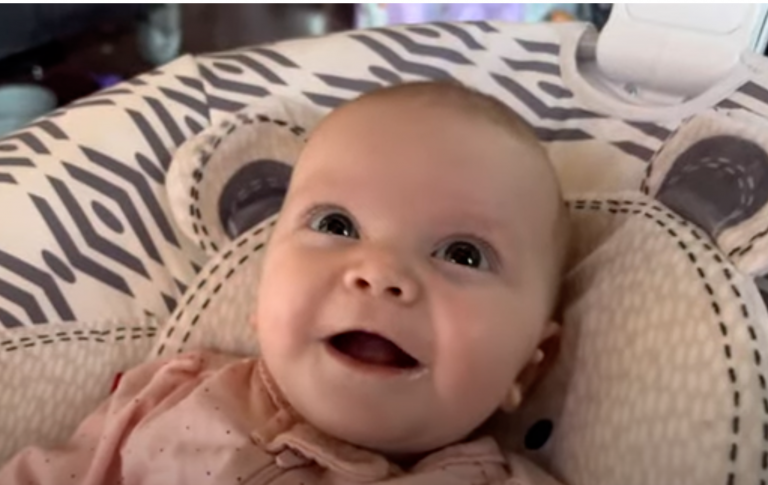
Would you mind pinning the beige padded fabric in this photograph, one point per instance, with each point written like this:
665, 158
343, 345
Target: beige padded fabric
661, 377
662, 372
53, 376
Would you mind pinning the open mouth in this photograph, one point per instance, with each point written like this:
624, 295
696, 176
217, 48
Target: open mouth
374, 350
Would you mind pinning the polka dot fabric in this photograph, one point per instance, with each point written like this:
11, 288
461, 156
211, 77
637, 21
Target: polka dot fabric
661, 377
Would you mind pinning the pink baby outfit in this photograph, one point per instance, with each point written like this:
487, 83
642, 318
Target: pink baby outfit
205, 418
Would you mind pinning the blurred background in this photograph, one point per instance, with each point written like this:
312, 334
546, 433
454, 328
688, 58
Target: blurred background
53, 54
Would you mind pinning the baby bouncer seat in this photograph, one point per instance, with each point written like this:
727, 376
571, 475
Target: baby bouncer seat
134, 222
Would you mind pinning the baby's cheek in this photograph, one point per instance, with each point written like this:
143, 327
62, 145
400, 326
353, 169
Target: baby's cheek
286, 305
487, 357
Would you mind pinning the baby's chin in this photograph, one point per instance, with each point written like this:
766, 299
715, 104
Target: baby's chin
390, 414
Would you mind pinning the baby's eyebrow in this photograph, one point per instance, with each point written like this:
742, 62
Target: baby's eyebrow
478, 218
481, 226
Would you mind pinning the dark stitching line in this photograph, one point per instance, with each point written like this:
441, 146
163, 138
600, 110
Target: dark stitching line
216, 267
196, 318
79, 336
742, 250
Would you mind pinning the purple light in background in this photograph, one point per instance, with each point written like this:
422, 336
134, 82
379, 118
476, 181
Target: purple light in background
410, 13
107, 80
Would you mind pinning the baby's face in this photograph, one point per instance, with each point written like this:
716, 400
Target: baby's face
403, 292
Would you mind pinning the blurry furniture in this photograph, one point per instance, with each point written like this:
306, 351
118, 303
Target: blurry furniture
27, 26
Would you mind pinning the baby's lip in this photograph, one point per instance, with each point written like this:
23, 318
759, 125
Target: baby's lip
374, 350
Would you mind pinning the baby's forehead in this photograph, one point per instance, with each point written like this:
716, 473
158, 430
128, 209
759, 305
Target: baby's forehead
422, 140
443, 148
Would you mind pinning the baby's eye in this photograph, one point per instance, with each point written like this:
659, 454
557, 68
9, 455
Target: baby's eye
336, 224
463, 253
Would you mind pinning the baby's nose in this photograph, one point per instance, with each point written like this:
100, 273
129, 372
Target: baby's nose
380, 277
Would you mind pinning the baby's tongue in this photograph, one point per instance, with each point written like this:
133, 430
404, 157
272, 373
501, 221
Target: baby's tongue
372, 349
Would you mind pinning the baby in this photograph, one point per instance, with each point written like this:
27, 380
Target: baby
407, 295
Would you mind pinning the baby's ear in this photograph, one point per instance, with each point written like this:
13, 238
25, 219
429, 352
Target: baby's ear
541, 362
